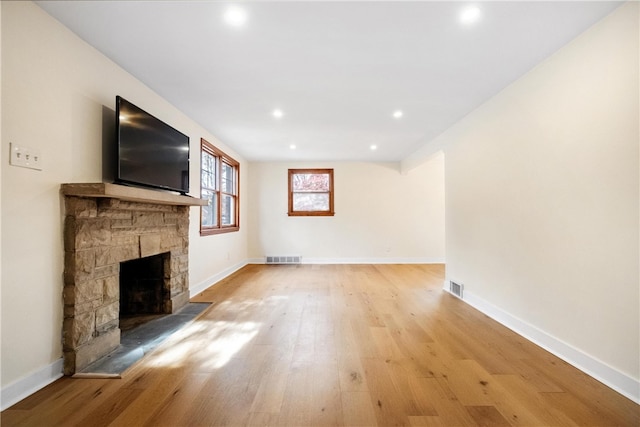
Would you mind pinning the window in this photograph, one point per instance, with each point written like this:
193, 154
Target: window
311, 192
219, 176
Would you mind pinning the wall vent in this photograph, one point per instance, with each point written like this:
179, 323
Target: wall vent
283, 259
456, 288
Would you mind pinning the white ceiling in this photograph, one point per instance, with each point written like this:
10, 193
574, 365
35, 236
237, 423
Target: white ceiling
338, 70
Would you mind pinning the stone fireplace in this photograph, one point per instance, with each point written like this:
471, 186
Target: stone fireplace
106, 225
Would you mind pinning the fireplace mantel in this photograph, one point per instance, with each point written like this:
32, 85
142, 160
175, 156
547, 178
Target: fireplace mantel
131, 194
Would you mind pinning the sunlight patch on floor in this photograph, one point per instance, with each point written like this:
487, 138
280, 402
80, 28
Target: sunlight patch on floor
234, 338
210, 344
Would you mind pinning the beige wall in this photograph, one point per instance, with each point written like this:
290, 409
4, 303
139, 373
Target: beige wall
54, 89
542, 210
381, 215
1, 167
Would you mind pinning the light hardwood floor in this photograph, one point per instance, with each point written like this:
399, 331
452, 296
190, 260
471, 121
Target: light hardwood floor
331, 345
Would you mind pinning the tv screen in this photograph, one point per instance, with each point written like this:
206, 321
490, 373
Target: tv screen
150, 152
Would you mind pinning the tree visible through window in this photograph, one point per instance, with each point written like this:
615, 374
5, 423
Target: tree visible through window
219, 175
311, 192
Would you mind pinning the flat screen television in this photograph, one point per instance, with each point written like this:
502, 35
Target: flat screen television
150, 152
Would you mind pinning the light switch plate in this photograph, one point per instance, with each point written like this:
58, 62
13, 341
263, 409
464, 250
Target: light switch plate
25, 157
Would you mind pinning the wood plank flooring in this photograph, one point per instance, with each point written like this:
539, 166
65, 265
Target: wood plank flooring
334, 345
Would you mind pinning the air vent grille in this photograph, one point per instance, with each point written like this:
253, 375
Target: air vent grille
283, 259
456, 288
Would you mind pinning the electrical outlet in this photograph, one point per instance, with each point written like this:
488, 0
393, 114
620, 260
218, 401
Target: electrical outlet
25, 157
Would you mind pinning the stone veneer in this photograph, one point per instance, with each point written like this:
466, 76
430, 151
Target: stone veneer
99, 234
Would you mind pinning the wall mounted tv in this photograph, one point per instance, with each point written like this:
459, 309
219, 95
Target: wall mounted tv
150, 152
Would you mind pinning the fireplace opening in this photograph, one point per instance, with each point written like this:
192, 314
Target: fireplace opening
143, 290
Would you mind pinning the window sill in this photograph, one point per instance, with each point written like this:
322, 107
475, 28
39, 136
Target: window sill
212, 231
311, 213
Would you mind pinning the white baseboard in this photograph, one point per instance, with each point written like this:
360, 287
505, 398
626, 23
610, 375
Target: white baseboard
360, 260
18, 390
599, 370
195, 290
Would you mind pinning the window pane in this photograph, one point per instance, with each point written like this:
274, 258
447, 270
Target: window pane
228, 210
310, 202
227, 183
208, 180
208, 173
209, 217
207, 162
310, 182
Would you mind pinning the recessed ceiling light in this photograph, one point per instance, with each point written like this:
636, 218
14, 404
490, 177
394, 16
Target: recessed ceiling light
397, 114
470, 15
373, 147
235, 16
277, 113
292, 146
